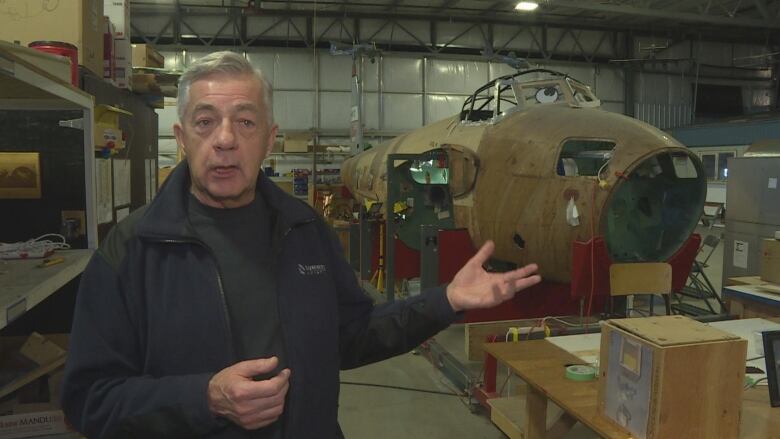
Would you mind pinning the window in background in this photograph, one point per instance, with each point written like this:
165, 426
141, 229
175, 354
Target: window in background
723, 166
708, 162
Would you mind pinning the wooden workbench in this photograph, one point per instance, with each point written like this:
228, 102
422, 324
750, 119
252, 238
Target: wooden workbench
541, 363
753, 300
23, 284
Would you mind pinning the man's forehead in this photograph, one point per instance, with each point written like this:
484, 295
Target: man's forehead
205, 104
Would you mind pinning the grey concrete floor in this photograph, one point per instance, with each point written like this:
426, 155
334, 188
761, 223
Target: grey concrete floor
378, 412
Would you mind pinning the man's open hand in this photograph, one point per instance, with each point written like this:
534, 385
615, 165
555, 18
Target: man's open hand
473, 287
234, 394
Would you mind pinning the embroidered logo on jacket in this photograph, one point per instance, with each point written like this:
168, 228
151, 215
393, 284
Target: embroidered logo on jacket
311, 270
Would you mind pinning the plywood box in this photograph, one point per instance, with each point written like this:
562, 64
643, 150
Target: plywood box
144, 55
770, 260
77, 22
297, 142
671, 376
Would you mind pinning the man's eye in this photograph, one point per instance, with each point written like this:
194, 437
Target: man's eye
247, 123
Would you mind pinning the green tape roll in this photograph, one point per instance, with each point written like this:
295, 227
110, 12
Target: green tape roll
581, 373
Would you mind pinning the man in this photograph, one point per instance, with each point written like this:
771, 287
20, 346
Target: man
225, 308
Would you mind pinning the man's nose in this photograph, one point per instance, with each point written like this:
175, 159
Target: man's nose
225, 136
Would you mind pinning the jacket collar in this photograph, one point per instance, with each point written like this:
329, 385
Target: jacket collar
166, 215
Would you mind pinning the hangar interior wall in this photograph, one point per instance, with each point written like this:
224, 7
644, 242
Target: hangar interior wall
405, 90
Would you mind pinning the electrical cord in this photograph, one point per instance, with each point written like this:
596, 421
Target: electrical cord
751, 383
388, 386
33, 248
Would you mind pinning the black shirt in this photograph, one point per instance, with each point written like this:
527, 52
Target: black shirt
240, 239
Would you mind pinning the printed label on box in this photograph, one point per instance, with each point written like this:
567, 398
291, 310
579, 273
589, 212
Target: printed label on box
740, 254
32, 424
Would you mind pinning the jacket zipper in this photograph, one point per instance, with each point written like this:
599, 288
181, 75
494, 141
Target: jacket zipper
223, 301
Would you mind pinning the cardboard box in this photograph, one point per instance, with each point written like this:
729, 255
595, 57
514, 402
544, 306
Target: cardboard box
77, 22
297, 142
34, 424
108, 49
671, 376
123, 63
57, 66
770, 260
144, 55
119, 13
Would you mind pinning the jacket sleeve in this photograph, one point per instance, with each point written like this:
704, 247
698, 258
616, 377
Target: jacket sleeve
105, 393
369, 333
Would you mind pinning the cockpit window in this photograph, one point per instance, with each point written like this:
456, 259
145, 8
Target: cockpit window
584, 157
431, 171
521, 90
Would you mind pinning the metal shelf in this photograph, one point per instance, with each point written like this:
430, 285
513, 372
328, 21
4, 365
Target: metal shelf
24, 284
23, 86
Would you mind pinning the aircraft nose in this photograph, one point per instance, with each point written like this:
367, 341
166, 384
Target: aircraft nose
654, 208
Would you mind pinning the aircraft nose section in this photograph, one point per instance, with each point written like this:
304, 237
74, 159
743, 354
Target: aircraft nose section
655, 207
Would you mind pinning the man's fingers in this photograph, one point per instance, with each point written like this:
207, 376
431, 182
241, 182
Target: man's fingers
525, 282
251, 368
264, 417
249, 390
483, 254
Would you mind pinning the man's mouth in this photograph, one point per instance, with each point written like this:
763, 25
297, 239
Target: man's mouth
224, 171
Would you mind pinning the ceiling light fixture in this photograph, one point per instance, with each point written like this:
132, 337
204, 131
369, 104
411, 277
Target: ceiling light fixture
526, 6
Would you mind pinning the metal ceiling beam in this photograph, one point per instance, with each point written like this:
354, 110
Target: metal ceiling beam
660, 13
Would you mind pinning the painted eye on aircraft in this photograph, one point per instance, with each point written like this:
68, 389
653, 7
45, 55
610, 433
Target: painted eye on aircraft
547, 95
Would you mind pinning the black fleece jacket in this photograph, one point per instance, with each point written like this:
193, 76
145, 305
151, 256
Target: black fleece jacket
151, 327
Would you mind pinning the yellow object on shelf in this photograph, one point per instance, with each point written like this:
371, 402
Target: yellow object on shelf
107, 132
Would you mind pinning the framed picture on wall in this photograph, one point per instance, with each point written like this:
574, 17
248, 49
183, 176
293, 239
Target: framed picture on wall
772, 357
20, 175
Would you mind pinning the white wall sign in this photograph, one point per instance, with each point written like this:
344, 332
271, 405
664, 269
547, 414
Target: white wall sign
740, 258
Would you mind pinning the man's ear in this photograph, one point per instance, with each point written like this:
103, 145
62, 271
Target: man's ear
178, 131
271, 140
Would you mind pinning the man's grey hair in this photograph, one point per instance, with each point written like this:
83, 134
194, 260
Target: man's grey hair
223, 62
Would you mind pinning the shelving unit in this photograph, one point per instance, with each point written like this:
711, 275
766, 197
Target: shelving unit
24, 284
23, 86
311, 160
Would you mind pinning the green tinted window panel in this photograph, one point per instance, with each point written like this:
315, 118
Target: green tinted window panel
652, 213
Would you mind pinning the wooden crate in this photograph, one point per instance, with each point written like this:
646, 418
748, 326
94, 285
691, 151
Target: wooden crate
671, 376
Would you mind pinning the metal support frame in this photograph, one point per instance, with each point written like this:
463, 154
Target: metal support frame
429, 256
365, 244
348, 30
390, 222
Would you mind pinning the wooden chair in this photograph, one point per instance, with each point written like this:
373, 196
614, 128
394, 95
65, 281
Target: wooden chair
628, 279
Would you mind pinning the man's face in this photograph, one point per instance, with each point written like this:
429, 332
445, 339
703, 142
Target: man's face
226, 137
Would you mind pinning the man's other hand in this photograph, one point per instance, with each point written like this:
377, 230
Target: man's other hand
473, 287
234, 394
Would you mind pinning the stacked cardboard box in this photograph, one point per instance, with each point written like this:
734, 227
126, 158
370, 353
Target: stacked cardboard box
144, 55
30, 378
770, 261
297, 142
77, 22
119, 13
